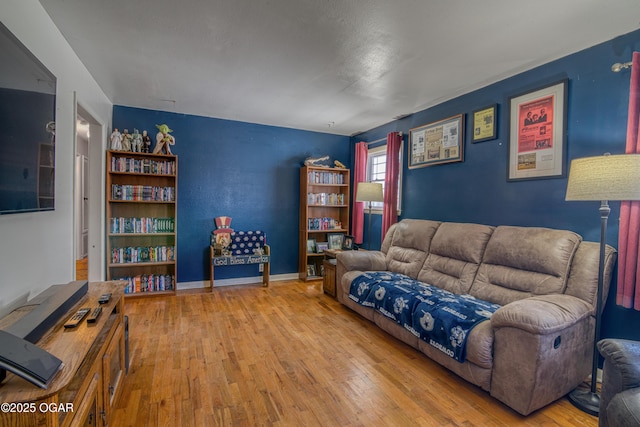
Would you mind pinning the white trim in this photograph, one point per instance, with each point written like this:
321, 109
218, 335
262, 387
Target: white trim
232, 282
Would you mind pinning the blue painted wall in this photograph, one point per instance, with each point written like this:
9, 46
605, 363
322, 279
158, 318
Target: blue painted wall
247, 171
477, 190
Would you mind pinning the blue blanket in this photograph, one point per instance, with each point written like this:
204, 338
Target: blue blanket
438, 317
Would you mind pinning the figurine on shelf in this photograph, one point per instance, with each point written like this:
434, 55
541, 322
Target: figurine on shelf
163, 140
146, 142
339, 164
316, 161
136, 141
116, 140
126, 140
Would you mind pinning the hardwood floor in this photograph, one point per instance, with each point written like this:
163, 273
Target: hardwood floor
288, 355
82, 272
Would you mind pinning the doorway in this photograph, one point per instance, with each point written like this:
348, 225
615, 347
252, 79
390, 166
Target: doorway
88, 196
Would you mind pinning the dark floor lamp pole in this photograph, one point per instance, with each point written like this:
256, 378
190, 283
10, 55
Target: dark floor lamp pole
369, 192
601, 178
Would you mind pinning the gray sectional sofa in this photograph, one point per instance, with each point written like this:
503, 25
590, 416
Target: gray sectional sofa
538, 345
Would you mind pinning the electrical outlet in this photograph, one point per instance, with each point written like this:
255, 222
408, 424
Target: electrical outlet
260, 268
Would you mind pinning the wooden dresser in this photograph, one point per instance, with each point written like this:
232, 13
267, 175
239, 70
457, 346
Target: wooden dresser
89, 384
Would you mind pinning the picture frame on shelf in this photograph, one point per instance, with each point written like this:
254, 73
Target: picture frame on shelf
335, 240
485, 124
437, 143
347, 243
322, 246
537, 133
311, 270
311, 246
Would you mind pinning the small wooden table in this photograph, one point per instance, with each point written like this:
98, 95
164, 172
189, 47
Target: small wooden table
329, 279
221, 261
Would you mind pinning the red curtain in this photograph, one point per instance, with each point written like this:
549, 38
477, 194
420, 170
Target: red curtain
628, 293
390, 209
359, 175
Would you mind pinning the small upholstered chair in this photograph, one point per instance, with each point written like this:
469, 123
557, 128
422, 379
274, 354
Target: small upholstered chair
620, 396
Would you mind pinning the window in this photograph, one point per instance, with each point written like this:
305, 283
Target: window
376, 169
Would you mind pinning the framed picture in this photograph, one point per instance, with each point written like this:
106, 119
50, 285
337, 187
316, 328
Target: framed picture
484, 124
311, 270
436, 143
537, 124
335, 240
321, 247
347, 243
311, 246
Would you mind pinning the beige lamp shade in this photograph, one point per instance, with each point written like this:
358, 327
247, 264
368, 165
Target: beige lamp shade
369, 192
608, 177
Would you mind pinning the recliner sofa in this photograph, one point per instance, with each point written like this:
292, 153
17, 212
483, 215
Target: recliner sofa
538, 345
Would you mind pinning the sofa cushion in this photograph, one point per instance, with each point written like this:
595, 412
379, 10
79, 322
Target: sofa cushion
520, 262
410, 245
455, 255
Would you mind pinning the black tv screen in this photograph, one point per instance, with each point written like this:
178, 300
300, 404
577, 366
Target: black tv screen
27, 129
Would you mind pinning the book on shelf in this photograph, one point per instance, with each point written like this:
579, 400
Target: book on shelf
325, 199
149, 283
131, 254
145, 225
321, 177
325, 223
148, 166
146, 193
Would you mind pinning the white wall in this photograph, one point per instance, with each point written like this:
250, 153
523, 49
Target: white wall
37, 249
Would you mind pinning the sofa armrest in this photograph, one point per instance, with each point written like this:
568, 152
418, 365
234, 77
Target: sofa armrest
624, 356
545, 339
362, 260
620, 395
356, 261
543, 314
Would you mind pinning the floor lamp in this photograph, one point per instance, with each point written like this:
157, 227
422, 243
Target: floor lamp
602, 178
369, 192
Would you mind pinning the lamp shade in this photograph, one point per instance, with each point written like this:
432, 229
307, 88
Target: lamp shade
369, 192
608, 177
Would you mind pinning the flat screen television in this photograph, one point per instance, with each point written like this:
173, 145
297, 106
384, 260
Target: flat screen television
27, 129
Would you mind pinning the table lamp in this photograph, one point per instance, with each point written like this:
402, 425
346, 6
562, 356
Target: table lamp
601, 178
369, 192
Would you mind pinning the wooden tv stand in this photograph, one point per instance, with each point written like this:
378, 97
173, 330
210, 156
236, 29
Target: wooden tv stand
90, 382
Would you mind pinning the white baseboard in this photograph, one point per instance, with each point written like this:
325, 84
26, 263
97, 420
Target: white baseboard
236, 281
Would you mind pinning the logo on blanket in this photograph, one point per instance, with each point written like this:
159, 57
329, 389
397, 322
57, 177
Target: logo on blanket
427, 322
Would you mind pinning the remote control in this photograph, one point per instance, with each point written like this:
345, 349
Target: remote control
77, 318
104, 298
94, 315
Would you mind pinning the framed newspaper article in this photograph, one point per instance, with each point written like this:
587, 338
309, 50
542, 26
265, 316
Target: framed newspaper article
537, 133
436, 143
484, 124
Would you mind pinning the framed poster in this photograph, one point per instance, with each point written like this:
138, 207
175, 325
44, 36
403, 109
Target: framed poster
484, 124
537, 123
436, 143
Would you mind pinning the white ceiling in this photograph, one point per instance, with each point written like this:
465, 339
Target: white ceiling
336, 66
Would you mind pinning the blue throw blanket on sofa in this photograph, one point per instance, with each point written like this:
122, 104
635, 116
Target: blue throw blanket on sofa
437, 316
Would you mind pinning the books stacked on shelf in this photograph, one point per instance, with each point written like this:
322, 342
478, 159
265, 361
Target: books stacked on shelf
156, 167
149, 283
323, 224
132, 254
141, 225
145, 193
325, 199
320, 177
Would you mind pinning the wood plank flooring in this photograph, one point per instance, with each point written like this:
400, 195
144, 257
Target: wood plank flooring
82, 272
288, 355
